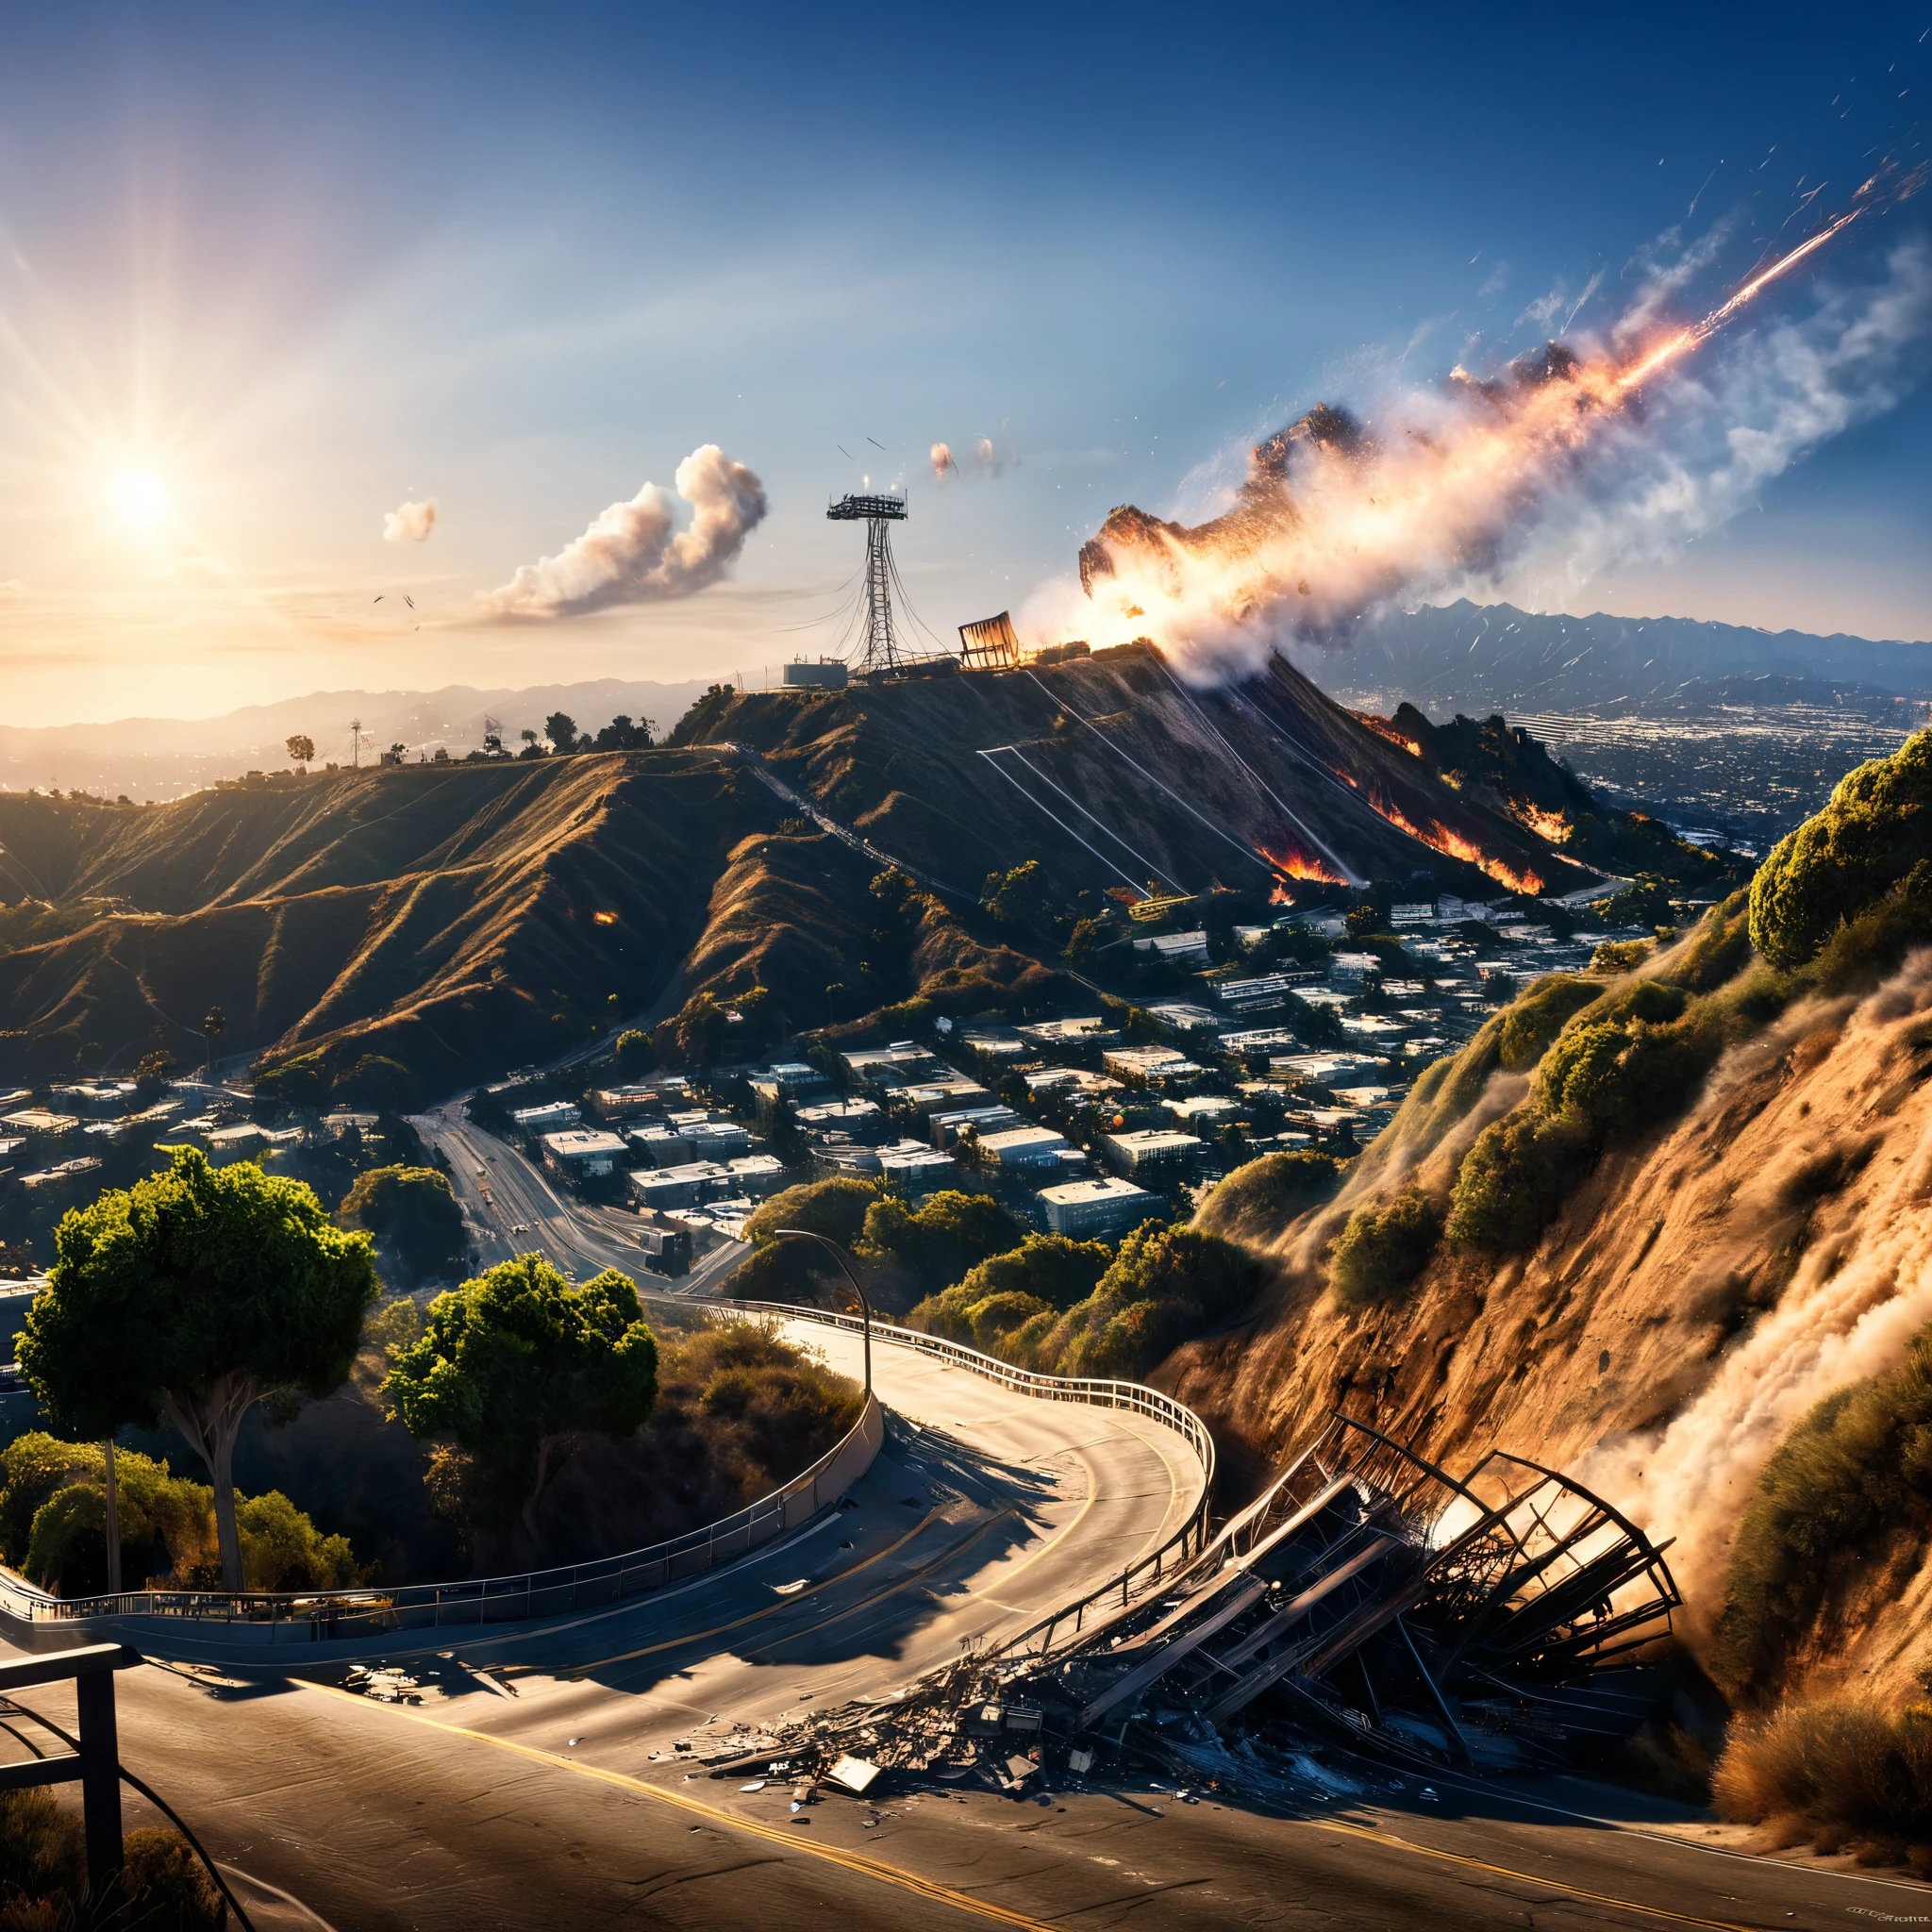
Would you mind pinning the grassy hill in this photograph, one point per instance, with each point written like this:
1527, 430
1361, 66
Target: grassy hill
398, 933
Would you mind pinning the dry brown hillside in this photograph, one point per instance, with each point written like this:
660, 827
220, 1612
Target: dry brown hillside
1699, 1289
404, 931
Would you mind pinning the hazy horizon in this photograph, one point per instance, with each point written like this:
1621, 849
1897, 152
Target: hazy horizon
337, 350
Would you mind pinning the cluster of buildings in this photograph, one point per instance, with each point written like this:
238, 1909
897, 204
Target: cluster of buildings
668, 1156
63, 1139
1088, 1131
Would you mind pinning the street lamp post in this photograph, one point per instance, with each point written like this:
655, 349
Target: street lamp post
844, 1261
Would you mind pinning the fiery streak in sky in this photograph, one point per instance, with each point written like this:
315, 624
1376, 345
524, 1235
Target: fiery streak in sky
1336, 516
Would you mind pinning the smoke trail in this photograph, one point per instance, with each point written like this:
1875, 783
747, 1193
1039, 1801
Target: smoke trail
942, 463
1572, 460
1842, 1319
635, 554
411, 523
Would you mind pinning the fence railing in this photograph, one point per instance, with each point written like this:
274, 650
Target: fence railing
1183, 1544
327, 1616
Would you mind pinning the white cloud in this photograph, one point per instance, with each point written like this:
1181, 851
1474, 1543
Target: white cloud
634, 552
410, 524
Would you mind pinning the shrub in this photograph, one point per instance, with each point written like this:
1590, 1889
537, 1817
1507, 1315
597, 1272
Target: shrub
395, 1326
1620, 956
1005, 1297
53, 1515
835, 1209
935, 1242
1262, 1196
1840, 1765
1166, 1285
1875, 829
1512, 1181
1384, 1248
1859, 1467
166, 1887
414, 1211
1536, 1019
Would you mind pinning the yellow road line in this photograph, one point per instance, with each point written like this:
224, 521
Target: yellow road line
852, 1861
931, 1888
1601, 1898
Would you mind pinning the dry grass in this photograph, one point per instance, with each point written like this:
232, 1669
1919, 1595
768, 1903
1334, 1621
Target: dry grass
1840, 1773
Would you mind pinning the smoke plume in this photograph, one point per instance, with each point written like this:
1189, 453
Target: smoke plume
1847, 1315
410, 524
1570, 460
995, 455
942, 463
634, 552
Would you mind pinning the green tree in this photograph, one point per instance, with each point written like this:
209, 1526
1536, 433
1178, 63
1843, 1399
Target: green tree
213, 1027
414, 1209
302, 748
1871, 835
190, 1295
635, 1053
940, 1239
151, 1072
1384, 1248
516, 1363
1019, 897
562, 730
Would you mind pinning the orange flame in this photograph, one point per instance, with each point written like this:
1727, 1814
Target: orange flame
1438, 838
1550, 825
1296, 865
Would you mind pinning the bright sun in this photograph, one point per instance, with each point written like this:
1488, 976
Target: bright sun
140, 499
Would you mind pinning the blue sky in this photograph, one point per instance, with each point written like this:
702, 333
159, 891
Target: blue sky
302, 263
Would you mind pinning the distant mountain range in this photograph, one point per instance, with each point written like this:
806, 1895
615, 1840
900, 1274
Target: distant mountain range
1480, 658
152, 758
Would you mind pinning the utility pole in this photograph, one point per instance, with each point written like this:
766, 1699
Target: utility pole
356, 743
113, 1524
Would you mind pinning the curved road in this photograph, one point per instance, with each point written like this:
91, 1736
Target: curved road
539, 1784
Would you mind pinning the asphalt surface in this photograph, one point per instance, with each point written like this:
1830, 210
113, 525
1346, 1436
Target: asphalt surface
538, 1783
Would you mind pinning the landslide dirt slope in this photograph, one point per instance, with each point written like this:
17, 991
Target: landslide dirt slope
1701, 1291
441, 917
1108, 770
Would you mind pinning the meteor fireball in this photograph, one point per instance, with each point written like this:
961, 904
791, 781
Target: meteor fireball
1337, 514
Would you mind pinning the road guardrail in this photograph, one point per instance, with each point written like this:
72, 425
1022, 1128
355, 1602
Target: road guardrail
285, 1618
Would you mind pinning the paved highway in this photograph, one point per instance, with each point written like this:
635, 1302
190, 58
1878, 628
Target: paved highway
540, 1789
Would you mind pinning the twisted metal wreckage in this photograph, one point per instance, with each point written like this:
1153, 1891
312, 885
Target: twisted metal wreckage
1368, 1598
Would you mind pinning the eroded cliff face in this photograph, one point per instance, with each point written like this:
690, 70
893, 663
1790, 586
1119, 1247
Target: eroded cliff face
1701, 1291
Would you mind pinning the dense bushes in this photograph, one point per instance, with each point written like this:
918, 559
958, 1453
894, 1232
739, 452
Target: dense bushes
413, 1211
1384, 1248
1009, 1302
1165, 1286
1512, 1180
1533, 1020
163, 1888
1859, 1467
54, 1518
1633, 1056
1840, 1772
1259, 1198
1870, 836
937, 1241
1065, 1308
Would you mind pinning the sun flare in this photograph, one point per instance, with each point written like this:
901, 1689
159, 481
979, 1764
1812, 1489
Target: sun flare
141, 500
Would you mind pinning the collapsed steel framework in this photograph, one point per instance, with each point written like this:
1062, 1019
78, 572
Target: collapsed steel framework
1380, 1597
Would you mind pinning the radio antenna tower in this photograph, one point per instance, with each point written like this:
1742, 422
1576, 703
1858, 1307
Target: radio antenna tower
878, 649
